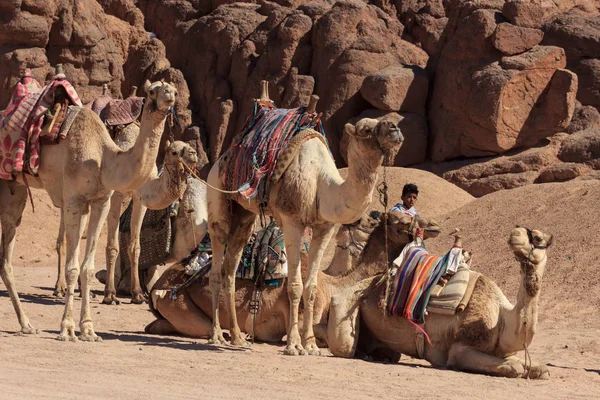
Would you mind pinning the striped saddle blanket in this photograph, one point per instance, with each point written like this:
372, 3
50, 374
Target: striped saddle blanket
416, 275
21, 133
254, 153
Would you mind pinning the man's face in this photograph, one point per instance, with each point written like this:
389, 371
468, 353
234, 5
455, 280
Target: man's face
409, 200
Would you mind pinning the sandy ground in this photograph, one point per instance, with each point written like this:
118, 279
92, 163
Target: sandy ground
132, 364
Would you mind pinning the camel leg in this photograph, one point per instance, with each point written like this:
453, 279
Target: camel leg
11, 210
536, 371
321, 236
73, 218
112, 249
293, 239
215, 282
182, 317
137, 216
99, 211
164, 327
61, 281
465, 358
241, 231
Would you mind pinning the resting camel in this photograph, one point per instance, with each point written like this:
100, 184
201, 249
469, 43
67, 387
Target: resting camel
189, 229
484, 338
191, 313
79, 174
310, 192
158, 192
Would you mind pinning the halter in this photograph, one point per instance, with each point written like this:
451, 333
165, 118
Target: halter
530, 237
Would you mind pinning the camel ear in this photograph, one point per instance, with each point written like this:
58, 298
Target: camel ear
349, 129
147, 85
167, 144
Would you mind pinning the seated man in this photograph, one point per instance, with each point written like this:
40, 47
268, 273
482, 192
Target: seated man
410, 193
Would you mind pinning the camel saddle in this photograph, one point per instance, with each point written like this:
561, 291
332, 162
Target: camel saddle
121, 112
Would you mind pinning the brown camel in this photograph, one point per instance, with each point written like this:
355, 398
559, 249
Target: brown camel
484, 338
79, 174
190, 313
310, 192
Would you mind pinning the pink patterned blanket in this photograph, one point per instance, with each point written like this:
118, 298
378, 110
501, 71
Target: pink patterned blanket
21, 123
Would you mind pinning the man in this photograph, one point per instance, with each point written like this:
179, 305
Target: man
410, 193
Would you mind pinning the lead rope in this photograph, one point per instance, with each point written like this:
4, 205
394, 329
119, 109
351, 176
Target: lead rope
255, 307
527, 355
383, 199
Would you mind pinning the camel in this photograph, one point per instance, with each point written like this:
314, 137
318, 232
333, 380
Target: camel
157, 193
310, 192
80, 174
484, 338
189, 229
190, 314
351, 239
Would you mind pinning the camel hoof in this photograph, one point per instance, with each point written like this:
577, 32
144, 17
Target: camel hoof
90, 338
295, 350
312, 349
111, 300
66, 338
138, 299
539, 372
59, 294
217, 340
241, 342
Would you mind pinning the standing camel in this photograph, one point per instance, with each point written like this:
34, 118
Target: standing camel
310, 192
157, 193
80, 174
483, 338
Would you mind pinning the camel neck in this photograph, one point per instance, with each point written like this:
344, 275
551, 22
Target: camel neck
347, 200
522, 319
161, 191
128, 170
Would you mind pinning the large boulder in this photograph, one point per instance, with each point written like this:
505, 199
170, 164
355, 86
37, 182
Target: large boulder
511, 39
397, 88
484, 103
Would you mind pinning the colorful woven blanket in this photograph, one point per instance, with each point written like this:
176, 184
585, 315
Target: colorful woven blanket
21, 123
416, 275
255, 151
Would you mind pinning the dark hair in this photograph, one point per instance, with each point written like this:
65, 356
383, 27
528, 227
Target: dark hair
410, 188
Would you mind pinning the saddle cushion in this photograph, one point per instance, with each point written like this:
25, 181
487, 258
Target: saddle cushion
454, 296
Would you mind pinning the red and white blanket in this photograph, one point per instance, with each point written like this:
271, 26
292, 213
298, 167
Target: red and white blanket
21, 123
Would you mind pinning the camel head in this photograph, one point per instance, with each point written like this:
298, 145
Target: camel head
179, 152
353, 236
401, 228
161, 94
386, 133
431, 229
529, 244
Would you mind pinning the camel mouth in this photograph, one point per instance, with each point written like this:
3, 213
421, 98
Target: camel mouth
433, 231
391, 139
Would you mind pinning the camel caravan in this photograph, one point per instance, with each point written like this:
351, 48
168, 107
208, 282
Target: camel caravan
246, 245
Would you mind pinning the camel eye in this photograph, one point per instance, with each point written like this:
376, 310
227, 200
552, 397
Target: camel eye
174, 153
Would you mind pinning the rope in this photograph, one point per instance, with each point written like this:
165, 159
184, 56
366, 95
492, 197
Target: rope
383, 199
191, 172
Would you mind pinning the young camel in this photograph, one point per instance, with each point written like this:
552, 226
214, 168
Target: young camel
157, 193
484, 338
190, 313
310, 192
190, 227
79, 174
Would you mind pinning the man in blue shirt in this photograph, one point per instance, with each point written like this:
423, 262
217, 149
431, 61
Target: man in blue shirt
410, 193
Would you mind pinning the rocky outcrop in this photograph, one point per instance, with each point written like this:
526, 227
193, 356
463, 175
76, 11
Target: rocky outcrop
98, 42
484, 103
